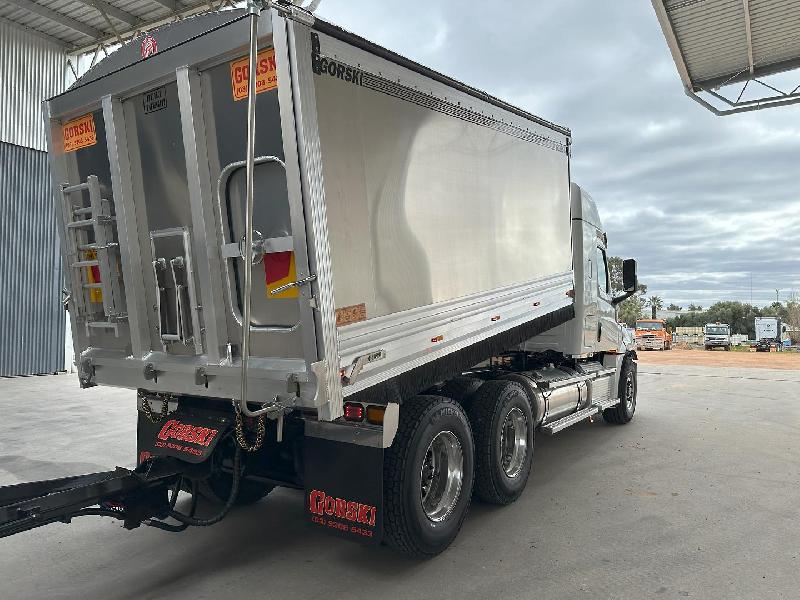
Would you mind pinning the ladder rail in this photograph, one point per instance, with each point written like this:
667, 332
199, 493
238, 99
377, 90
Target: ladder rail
85, 254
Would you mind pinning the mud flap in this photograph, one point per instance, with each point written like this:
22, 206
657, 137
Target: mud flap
186, 435
344, 488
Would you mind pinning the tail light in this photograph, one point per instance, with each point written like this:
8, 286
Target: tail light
353, 411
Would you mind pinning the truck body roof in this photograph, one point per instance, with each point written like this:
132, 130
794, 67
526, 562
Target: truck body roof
175, 34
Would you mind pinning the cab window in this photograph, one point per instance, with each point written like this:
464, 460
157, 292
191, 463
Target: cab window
602, 271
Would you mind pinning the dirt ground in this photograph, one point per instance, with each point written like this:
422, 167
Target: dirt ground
720, 358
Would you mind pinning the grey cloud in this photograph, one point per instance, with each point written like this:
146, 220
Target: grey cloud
701, 201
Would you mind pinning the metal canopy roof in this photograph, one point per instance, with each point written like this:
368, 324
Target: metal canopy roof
82, 25
719, 43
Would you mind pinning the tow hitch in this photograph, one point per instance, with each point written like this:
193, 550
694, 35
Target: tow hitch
173, 456
130, 496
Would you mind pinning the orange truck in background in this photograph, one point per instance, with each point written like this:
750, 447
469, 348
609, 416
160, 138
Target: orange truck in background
652, 334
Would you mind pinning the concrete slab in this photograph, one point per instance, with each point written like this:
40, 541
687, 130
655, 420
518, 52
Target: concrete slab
697, 497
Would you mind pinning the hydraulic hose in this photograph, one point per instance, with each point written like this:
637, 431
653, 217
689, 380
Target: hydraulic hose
195, 522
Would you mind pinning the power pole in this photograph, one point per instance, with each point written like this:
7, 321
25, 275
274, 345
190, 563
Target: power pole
776, 295
751, 288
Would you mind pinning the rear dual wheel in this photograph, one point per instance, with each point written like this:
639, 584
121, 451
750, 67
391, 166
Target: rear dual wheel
439, 453
428, 474
502, 423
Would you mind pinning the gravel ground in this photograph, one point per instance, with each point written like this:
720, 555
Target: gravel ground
697, 497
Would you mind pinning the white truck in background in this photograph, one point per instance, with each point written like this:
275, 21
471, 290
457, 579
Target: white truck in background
717, 335
322, 266
769, 333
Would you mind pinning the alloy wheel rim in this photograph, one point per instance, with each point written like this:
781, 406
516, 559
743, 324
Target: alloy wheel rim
514, 442
441, 476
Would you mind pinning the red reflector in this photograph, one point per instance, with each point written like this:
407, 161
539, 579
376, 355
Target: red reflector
353, 412
495, 318
436, 339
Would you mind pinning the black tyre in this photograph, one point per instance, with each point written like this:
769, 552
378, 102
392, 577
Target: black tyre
502, 424
461, 389
623, 412
428, 474
708, 347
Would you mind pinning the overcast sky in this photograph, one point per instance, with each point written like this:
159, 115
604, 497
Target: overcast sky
700, 201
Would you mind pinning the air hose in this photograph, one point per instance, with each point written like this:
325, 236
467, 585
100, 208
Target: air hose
195, 522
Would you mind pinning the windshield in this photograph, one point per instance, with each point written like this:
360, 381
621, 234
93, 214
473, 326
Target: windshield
648, 326
717, 330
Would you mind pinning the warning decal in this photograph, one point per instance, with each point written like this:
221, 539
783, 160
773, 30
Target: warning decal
79, 133
266, 77
280, 269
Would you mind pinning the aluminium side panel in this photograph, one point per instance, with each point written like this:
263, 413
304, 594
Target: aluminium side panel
448, 217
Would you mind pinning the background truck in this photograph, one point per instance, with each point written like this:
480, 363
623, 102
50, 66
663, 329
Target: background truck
717, 335
322, 266
769, 331
652, 334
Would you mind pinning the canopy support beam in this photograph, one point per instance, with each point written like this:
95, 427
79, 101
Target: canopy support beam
749, 33
57, 17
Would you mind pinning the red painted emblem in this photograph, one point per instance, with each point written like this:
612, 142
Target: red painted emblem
175, 430
319, 503
149, 46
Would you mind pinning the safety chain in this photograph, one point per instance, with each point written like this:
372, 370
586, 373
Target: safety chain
241, 436
147, 409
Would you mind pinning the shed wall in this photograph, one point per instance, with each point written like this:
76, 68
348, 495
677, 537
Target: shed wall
31, 70
32, 320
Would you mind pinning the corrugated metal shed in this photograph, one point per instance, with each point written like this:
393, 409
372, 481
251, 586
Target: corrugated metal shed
81, 24
31, 69
32, 320
719, 42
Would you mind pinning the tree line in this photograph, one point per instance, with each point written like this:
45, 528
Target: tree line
740, 316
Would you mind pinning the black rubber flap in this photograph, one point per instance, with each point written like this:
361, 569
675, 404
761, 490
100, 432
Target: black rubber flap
190, 437
344, 488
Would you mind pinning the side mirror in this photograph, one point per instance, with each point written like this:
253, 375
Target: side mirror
629, 281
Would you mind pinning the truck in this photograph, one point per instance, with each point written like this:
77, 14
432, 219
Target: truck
717, 335
323, 266
652, 334
769, 333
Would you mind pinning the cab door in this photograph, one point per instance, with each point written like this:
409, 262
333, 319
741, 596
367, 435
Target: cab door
590, 294
608, 332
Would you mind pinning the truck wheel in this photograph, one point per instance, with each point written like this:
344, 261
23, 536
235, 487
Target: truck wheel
428, 474
502, 424
623, 412
461, 389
